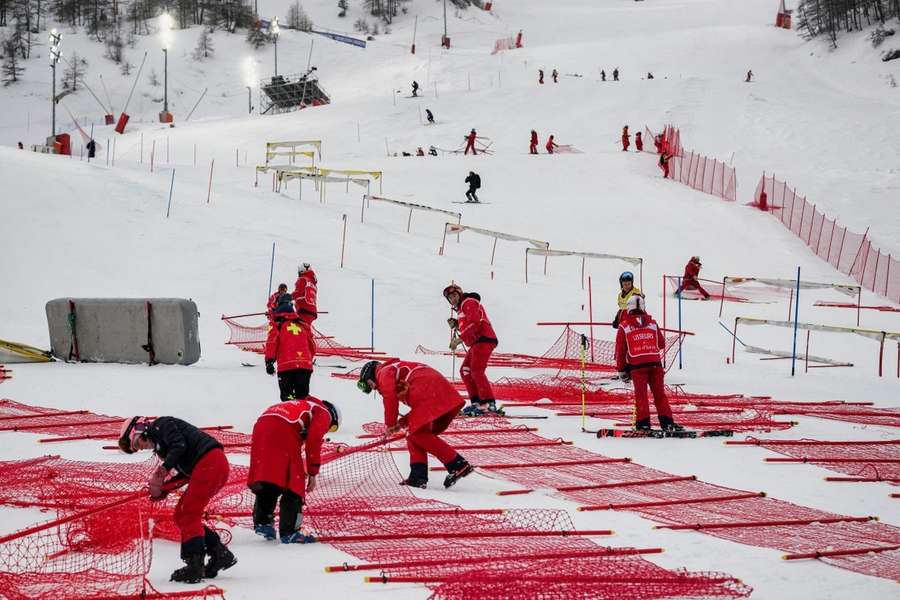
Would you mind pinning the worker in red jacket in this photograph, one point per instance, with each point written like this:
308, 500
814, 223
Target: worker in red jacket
657, 141
690, 281
291, 345
433, 403
277, 469
639, 347
551, 145
626, 139
470, 142
664, 164
532, 148
638, 142
473, 328
305, 294
273, 299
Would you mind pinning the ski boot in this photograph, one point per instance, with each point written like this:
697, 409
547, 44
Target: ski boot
475, 409
456, 470
265, 530
297, 537
418, 476
642, 424
669, 425
192, 572
220, 559
491, 408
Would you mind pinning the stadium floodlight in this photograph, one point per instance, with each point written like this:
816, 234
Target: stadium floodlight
54, 39
273, 30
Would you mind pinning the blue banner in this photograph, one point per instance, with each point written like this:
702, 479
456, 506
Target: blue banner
346, 39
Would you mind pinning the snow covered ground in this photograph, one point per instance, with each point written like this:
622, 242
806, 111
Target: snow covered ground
826, 121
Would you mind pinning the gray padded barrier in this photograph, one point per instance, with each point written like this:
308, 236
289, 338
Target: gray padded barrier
118, 330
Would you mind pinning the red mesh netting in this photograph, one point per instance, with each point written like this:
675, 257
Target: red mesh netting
876, 460
83, 556
252, 338
679, 502
359, 508
87, 425
564, 354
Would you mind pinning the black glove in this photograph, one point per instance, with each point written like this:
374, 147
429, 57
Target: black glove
270, 367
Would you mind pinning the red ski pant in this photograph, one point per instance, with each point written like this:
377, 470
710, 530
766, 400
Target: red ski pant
532, 148
209, 475
472, 372
652, 376
665, 169
639, 146
692, 284
470, 146
625, 144
425, 441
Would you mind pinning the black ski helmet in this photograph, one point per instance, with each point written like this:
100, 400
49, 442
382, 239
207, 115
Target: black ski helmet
626, 276
365, 374
335, 414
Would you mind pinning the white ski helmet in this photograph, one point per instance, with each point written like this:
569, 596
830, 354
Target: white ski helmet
635, 304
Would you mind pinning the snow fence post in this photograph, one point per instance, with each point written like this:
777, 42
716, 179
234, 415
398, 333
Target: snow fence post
171, 188
343, 238
209, 189
796, 318
372, 324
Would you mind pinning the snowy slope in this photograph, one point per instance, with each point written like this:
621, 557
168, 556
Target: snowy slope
69, 228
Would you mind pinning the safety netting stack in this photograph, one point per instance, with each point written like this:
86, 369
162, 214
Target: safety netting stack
73, 425
252, 338
676, 502
860, 461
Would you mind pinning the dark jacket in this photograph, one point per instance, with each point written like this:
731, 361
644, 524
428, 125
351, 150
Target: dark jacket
474, 181
179, 444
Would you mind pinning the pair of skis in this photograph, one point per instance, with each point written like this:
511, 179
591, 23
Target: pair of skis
662, 433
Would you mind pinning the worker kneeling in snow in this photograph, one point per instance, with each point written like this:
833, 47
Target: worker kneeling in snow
639, 346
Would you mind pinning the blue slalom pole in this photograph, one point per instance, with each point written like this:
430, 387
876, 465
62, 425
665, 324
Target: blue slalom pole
680, 337
796, 317
372, 325
271, 271
731, 333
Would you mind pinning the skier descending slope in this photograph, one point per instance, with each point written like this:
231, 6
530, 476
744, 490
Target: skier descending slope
198, 458
433, 403
474, 329
639, 343
276, 464
474, 181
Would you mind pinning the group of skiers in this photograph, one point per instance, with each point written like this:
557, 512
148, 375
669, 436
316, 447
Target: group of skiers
551, 146
554, 75
615, 74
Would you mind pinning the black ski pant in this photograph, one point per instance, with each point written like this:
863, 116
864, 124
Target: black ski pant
290, 509
294, 384
471, 194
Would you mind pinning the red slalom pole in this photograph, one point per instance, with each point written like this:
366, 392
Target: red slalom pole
535, 556
737, 525
636, 505
834, 553
54, 414
555, 579
460, 535
600, 486
58, 425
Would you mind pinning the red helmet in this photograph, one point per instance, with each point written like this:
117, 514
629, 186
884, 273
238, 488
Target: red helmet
452, 288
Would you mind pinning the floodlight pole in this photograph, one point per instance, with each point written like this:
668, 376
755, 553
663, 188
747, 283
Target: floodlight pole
275, 29
445, 20
53, 101
165, 79
249, 100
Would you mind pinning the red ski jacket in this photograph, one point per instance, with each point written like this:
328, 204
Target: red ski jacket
304, 295
639, 342
691, 270
534, 138
474, 325
278, 437
290, 342
428, 394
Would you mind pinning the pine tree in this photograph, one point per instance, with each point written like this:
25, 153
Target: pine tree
204, 45
75, 71
256, 37
114, 44
297, 18
10, 68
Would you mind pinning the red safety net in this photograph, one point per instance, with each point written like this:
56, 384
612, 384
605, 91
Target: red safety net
101, 553
87, 425
252, 338
564, 355
850, 253
359, 508
704, 174
676, 502
865, 461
